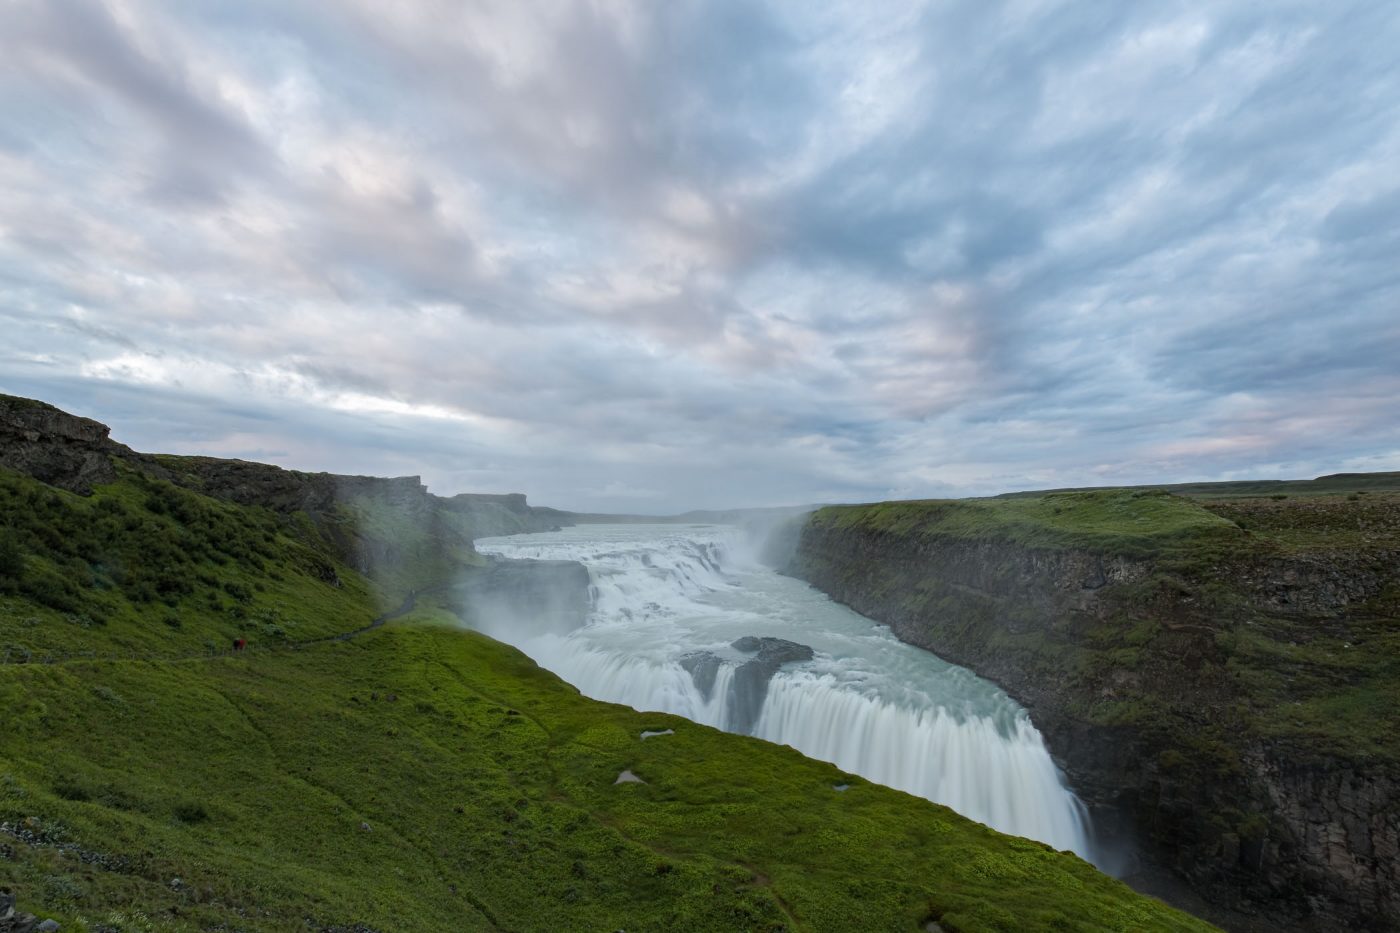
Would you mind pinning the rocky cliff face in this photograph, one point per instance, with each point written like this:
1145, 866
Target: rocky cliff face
391, 529
76, 453
492, 515
1140, 673
55, 447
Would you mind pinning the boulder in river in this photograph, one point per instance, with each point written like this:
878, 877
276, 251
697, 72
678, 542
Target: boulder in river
750, 687
777, 650
703, 667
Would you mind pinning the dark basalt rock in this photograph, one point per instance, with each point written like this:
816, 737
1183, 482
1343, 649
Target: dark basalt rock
13, 921
750, 686
55, 447
703, 667
776, 650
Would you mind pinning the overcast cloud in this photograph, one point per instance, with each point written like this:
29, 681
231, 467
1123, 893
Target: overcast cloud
654, 256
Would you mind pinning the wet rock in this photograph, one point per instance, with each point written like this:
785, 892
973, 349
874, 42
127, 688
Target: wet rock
777, 650
48, 926
627, 777
703, 667
750, 685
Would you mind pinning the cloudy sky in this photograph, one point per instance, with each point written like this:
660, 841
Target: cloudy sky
651, 256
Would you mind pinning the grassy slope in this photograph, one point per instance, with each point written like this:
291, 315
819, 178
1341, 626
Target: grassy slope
144, 569
141, 757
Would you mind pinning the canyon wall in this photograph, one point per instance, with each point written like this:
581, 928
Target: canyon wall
1164, 675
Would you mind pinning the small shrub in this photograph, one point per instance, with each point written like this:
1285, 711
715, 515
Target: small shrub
191, 813
69, 789
62, 889
238, 591
52, 591
11, 559
1254, 826
11, 788
107, 695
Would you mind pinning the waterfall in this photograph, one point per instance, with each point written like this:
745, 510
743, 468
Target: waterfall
670, 596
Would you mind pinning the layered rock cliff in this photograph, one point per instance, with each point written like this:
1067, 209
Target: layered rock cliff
55, 447
377, 525
1221, 682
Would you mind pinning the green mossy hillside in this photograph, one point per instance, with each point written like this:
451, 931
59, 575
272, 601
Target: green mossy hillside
143, 568
417, 776
424, 778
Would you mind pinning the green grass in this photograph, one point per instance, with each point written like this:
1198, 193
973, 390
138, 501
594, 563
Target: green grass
1137, 522
145, 569
487, 787
418, 777
1331, 485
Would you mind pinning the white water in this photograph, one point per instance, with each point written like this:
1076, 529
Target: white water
867, 702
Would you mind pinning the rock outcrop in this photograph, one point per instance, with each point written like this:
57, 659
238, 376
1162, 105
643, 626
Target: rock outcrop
55, 447
377, 525
703, 667
15, 921
750, 686
491, 515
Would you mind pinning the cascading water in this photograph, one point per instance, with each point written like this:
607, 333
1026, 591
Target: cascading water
669, 601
